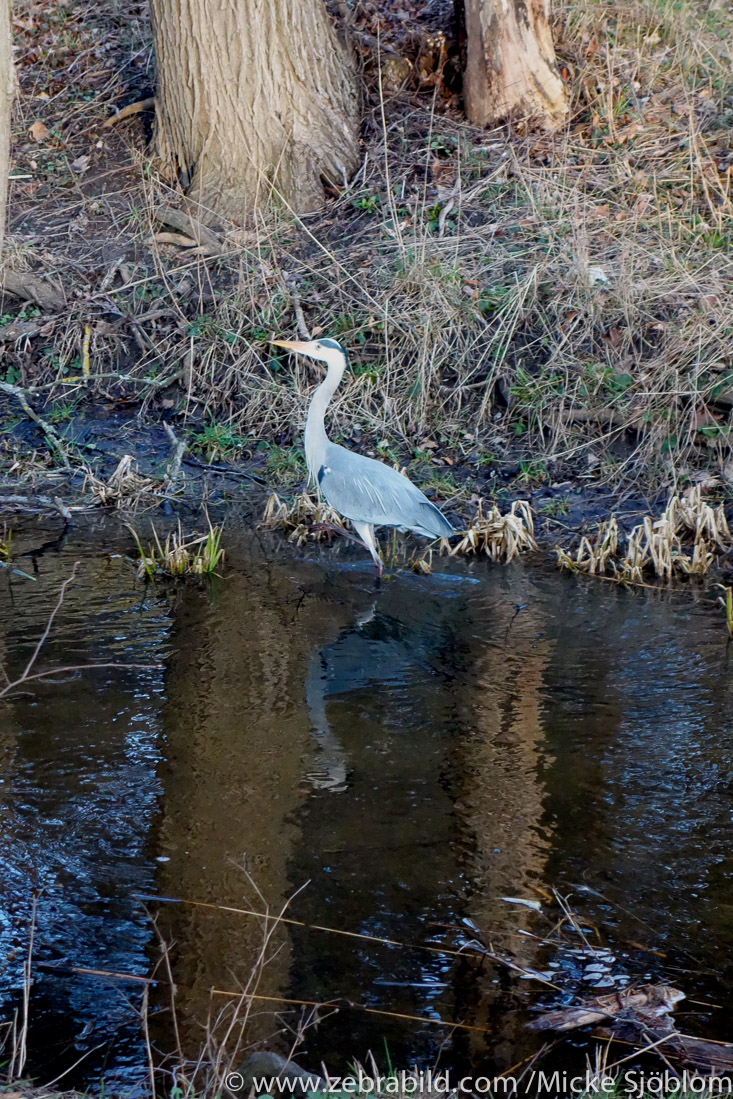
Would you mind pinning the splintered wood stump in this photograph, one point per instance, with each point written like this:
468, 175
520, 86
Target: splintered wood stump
510, 63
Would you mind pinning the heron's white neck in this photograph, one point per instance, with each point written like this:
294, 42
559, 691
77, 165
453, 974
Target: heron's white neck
316, 439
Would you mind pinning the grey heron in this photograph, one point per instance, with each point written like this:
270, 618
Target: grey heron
366, 492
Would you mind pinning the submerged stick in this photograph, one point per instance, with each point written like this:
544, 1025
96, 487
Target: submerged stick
473, 949
340, 1004
27, 675
76, 668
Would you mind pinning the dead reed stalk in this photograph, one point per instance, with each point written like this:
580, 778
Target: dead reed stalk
684, 541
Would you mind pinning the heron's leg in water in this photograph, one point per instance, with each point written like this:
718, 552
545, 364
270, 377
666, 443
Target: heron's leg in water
331, 528
366, 533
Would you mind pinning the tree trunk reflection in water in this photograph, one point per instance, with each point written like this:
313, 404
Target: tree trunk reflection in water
371, 746
239, 737
500, 790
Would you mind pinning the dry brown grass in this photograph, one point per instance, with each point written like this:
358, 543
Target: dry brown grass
125, 488
499, 537
685, 540
564, 297
302, 519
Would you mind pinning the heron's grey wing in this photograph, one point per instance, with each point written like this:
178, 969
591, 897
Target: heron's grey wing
368, 491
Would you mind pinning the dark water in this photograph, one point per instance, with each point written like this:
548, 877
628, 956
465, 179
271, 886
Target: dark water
396, 763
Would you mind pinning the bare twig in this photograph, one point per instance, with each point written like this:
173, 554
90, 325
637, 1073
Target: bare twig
23, 1045
342, 1003
27, 677
146, 1033
303, 330
65, 669
49, 623
38, 503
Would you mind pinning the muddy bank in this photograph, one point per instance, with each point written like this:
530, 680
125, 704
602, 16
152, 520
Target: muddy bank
241, 483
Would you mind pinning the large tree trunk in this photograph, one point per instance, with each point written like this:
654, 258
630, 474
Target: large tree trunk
510, 62
7, 91
255, 98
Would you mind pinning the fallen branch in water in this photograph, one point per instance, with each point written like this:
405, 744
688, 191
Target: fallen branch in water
72, 668
644, 1004
641, 1017
28, 677
40, 503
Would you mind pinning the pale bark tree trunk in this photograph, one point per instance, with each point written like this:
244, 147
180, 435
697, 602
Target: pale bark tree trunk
256, 98
510, 62
7, 92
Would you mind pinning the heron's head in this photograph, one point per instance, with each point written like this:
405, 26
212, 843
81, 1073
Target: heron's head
327, 350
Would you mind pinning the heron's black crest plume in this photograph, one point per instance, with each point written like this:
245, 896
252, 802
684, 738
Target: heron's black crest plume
334, 345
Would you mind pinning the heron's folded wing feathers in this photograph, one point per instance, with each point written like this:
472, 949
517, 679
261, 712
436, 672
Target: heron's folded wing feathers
368, 491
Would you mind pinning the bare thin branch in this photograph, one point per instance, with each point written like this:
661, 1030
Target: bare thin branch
51, 617
73, 668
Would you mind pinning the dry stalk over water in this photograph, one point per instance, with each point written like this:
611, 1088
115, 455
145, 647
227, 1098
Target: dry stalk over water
302, 519
684, 541
500, 537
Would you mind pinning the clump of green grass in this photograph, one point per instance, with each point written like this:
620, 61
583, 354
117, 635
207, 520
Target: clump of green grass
726, 600
532, 473
285, 465
180, 554
6, 544
555, 507
217, 440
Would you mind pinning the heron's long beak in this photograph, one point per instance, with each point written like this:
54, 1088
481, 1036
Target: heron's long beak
294, 345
